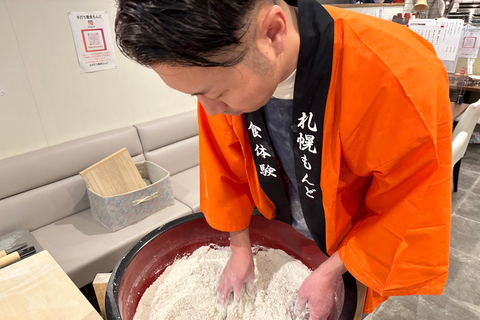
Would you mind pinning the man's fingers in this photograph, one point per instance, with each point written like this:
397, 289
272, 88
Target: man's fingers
318, 312
222, 297
299, 306
237, 291
223, 291
316, 317
250, 289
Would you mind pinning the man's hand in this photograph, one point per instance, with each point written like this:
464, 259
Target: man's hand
240, 268
318, 289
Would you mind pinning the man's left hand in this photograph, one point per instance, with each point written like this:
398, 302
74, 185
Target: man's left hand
319, 288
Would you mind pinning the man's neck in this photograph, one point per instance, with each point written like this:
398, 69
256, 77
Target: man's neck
292, 45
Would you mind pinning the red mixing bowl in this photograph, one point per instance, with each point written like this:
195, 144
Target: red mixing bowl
147, 259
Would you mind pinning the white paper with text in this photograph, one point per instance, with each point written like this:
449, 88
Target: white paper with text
93, 40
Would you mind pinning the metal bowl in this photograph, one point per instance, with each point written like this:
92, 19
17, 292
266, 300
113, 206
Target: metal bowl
147, 259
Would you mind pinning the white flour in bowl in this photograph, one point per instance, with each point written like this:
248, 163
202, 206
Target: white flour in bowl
187, 288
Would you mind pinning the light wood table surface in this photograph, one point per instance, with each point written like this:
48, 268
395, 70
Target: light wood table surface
37, 288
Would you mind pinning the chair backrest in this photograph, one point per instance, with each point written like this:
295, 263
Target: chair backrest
465, 125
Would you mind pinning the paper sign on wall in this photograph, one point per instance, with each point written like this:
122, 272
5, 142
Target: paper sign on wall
470, 43
444, 35
1, 90
93, 40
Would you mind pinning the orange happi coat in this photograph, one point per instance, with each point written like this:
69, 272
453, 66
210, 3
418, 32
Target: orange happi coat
386, 161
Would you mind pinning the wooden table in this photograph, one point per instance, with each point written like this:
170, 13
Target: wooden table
37, 288
472, 88
458, 109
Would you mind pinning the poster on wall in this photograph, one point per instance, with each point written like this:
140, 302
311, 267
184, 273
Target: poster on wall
93, 40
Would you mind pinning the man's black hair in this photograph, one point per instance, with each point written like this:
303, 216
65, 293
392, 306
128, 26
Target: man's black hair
206, 33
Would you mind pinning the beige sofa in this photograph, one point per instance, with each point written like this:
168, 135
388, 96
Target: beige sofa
42, 192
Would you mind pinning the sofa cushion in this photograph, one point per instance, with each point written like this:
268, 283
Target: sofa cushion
176, 157
83, 247
164, 131
43, 205
186, 187
36, 208
37, 168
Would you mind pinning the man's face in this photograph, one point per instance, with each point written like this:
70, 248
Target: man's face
227, 90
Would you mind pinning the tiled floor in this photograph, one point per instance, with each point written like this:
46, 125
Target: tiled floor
461, 297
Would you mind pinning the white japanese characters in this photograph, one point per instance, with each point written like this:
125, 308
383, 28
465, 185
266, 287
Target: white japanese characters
304, 119
306, 164
255, 130
306, 143
309, 192
265, 169
305, 179
261, 151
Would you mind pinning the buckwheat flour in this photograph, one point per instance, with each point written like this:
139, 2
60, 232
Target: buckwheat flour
187, 288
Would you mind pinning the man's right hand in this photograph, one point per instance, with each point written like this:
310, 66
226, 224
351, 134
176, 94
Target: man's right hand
240, 268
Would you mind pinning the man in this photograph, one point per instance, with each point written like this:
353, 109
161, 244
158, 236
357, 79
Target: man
353, 149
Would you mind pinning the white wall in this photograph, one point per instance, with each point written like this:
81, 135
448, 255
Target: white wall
47, 100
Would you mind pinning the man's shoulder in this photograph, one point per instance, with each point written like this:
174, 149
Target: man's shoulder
382, 44
371, 30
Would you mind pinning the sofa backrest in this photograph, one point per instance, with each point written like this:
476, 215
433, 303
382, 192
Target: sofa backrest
43, 186
171, 142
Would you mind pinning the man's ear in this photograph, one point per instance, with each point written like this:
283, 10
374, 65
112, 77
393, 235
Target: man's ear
272, 30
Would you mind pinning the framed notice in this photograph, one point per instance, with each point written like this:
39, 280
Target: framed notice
93, 40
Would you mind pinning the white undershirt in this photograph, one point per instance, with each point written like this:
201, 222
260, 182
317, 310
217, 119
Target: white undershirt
285, 88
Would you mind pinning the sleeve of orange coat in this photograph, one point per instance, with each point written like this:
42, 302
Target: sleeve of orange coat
225, 197
401, 245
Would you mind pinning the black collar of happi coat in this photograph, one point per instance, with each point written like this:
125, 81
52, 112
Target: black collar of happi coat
312, 82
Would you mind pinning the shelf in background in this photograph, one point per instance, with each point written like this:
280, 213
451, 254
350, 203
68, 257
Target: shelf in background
363, 5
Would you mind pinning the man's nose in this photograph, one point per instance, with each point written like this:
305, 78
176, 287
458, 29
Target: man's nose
212, 107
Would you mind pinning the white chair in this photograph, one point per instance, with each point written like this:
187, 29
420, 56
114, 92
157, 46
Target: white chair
461, 136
